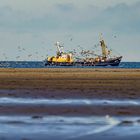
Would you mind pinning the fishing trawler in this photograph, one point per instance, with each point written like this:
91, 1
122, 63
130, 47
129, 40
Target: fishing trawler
87, 58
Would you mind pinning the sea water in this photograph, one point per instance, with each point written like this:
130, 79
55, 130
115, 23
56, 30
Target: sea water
41, 64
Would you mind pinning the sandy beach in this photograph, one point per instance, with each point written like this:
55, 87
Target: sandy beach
71, 84
87, 83
68, 92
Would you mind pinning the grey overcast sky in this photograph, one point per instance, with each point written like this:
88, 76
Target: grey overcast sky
29, 28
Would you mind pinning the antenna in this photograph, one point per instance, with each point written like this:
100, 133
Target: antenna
59, 47
101, 36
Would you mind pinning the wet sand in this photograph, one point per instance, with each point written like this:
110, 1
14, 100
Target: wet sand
70, 110
69, 83
66, 83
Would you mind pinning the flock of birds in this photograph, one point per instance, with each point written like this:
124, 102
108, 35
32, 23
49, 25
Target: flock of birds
78, 51
22, 51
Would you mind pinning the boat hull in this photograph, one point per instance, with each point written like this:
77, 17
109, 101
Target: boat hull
110, 62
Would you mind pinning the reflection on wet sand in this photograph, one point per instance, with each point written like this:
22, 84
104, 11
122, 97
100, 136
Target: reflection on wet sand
67, 127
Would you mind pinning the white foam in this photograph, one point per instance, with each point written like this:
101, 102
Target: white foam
43, 101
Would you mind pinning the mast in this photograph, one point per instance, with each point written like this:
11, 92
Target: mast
104, 47
59, 48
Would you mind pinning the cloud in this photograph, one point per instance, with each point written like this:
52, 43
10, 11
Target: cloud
67, 16
60, 17
32, 5
85, 20
65, 7
122, 17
